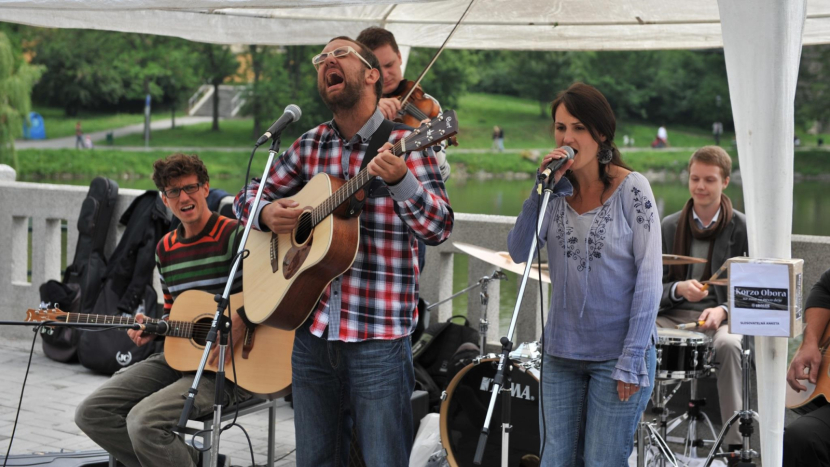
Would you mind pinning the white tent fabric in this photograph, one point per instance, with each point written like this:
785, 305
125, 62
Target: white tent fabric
762, 41
491, 24
762, 47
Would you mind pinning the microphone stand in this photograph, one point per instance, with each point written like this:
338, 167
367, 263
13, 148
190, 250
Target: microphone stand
502, 381
484, 296
223, 323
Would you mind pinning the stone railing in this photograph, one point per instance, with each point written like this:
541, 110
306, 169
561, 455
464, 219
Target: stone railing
49, 206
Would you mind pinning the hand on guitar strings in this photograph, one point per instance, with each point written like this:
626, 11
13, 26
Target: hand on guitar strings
237, 334
391, 168
281, 215
808, 358
139, 337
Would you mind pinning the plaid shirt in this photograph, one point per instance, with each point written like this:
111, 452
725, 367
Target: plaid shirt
377, 298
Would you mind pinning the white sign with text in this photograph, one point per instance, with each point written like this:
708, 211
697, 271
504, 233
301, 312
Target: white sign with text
759, 299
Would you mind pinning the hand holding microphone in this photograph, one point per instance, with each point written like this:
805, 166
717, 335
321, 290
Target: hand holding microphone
557, 162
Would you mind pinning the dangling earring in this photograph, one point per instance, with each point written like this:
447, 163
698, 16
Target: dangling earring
604, 156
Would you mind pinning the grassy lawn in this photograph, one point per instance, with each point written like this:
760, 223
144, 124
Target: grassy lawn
59, 125
51, 163
232, 133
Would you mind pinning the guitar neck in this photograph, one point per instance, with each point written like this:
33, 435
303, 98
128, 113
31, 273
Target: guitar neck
350, 188
176, 328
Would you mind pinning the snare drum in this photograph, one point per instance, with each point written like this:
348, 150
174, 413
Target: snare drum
465, 407
682, 354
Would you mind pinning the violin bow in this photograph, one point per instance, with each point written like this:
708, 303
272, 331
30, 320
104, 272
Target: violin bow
440, 49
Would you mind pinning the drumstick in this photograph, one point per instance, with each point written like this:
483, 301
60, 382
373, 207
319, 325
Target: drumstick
695, 324
714, 276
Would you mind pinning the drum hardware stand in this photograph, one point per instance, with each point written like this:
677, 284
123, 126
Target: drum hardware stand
646, 430
218, 321
485, 299
502, 379
693, 415
746, 414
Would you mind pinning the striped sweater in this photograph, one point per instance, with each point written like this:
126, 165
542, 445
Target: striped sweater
198, 263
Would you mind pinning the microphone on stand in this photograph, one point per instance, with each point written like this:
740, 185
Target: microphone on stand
556, 164
292, 113
160, 327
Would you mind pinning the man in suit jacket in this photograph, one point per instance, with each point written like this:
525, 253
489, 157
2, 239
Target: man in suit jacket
706, 228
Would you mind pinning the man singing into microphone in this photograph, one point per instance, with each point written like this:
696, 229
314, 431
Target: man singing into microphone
352, 358
706, 228
132, 416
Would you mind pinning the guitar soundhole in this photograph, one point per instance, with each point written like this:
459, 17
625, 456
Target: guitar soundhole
304, 229
201, 327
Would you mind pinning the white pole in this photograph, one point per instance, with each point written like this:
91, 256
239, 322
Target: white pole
762, 47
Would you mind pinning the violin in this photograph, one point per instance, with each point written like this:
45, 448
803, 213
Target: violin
417, 106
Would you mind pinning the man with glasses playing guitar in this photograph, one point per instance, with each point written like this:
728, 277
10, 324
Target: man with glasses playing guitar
132, 416
352, 360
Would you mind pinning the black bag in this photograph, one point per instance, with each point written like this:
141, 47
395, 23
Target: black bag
434, 353
128, 288
59, 343
86, 273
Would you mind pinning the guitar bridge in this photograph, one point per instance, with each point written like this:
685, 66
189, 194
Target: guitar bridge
275, 262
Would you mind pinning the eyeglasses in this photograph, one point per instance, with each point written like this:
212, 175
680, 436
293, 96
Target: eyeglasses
339, 52
189, 189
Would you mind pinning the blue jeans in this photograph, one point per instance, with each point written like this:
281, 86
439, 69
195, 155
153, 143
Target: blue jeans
337, 384
587, 424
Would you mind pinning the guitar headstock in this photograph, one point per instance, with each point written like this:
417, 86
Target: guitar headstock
433, 132
47, 314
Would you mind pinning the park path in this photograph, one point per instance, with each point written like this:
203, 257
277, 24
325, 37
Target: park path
69, 141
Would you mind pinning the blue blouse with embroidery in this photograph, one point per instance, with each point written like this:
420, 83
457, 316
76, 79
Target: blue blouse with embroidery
606, 275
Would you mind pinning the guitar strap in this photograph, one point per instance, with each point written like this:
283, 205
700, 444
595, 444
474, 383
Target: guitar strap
380, 136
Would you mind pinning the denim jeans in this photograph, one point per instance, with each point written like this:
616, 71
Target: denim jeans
587, 423
337, 384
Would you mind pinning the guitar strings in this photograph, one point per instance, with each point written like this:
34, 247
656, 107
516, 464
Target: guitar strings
308, 221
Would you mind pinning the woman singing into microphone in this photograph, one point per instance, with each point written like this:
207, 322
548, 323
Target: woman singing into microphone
603, 236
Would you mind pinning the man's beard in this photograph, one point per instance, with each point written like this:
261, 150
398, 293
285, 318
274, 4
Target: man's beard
347, 99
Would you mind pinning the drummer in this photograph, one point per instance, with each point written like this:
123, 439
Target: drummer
707, 228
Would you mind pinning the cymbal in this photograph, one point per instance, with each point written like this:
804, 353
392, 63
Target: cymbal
500, 259
672, 260
724, 282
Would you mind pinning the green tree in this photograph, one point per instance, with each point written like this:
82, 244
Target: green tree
217, 63
16, 81
81, 64
450, 77
813, 89
284, 76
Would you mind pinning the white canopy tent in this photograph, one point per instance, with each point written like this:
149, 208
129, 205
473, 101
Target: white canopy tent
762, 41
491, 24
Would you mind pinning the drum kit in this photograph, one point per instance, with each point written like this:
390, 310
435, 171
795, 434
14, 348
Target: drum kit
682, 356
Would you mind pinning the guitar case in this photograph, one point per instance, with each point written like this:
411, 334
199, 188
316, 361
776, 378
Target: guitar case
83, 278
128, 287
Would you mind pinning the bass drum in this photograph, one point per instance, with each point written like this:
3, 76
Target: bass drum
465, 407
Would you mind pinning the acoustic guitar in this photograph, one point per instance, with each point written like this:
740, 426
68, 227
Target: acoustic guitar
817, 394
263, 358
285, 274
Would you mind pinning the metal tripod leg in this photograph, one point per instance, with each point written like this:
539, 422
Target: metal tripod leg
646, 431
692, 416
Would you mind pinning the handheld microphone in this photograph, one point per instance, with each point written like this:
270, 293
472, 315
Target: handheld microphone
557, 163
160, 327
292, 113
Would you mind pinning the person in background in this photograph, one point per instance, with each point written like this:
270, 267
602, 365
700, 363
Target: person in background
79, 135
708, 228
